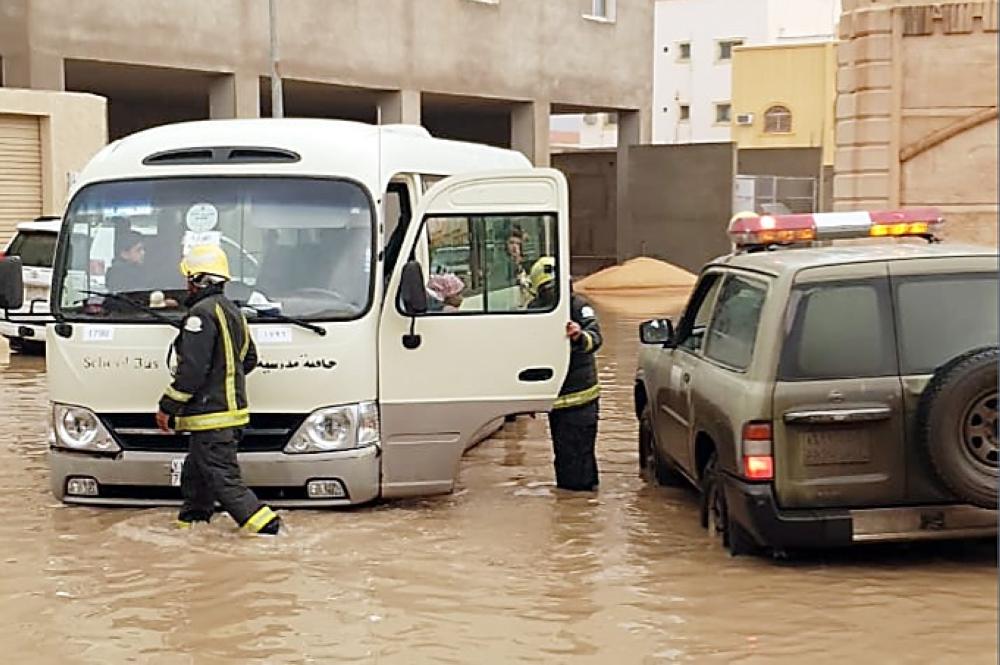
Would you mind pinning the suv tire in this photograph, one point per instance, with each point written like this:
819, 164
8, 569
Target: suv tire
958, 426
715, 513
652, 467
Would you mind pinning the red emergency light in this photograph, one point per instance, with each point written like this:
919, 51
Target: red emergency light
750, 230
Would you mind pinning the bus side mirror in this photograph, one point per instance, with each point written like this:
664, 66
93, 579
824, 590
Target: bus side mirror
11, 283
413, 300
412, 293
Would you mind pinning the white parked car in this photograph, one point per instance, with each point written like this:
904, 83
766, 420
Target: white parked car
35, 244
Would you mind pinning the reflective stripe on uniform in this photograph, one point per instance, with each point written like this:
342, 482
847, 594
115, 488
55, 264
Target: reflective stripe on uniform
181, 524
588, 344
578, 398
246, 339
259, 520
177, 395
227, 344
207, 421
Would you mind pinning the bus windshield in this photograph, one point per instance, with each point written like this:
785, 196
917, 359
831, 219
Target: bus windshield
300, 247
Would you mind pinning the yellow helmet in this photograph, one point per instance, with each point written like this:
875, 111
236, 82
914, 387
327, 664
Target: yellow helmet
542, 272
205, 260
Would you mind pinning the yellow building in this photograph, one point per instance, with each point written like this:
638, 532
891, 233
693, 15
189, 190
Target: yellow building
784, 96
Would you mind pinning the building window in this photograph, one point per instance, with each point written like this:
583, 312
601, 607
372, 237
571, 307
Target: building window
685, 112
723, 113
726, 48
777, 120
603, 9
684, 51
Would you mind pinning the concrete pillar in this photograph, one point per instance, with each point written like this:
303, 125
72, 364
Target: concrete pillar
631, 125
35, 70
400, 107
867, 122
529, 131
234, 96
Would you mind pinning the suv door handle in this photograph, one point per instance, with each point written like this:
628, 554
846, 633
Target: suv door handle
834, 416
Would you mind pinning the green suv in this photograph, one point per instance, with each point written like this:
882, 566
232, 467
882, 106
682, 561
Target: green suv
822, 394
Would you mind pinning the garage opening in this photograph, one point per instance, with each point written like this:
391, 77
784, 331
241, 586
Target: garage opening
140, 97
20, 172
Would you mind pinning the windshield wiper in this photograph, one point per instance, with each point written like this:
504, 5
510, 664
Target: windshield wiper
119, 297
271, 314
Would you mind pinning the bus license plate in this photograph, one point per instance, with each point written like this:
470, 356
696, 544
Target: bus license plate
176, 466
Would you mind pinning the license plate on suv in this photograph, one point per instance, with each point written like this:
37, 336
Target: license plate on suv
836, 446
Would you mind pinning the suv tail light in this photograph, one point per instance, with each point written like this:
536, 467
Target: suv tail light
758, 451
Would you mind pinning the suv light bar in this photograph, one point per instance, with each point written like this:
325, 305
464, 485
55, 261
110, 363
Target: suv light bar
749, 230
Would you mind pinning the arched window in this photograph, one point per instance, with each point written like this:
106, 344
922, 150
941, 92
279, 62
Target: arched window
777, 120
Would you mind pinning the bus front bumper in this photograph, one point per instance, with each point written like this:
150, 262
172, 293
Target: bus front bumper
134, 478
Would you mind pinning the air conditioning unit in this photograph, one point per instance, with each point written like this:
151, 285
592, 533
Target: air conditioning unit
744, 119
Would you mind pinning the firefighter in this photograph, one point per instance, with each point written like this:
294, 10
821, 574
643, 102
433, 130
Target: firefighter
207, 397
573, 419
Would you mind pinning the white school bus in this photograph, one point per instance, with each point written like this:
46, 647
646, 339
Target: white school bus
368, 386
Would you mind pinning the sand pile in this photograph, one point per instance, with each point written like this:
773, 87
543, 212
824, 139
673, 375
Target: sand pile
639, 274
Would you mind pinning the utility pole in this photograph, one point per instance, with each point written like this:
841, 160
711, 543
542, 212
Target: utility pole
277, 94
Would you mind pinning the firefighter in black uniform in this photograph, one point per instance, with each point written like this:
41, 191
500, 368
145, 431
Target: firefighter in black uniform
573, 420
208, 397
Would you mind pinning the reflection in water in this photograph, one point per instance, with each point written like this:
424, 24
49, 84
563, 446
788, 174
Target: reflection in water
506, 570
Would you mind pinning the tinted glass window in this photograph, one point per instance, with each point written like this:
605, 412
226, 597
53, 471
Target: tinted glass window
941, 317
35, 249
839, 330
488, 264
699, 311
301, 247
733, 332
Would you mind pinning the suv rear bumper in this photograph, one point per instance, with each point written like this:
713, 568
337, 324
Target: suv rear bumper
754, 507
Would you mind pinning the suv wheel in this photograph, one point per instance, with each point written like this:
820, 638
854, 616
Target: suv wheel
652, 467
715, 513
958, 413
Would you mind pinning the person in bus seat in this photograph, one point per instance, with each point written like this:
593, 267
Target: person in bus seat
128, 271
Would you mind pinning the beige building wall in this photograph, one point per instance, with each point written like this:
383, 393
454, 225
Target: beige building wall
72, 128
547, 55
917, 110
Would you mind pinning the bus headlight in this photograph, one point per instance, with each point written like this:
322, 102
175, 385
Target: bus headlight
337, 428
77, 428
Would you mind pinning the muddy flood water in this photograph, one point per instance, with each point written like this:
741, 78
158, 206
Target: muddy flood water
505, 570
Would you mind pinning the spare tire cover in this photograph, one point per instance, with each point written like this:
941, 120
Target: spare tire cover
958, 426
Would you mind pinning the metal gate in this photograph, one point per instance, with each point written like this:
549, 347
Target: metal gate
775, 194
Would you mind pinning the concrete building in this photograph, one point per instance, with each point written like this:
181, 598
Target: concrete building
694, 43
485, 70
45, 139
917, 110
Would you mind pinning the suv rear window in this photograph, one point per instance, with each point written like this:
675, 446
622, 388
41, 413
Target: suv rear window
839, 330
941, 317
35, 249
